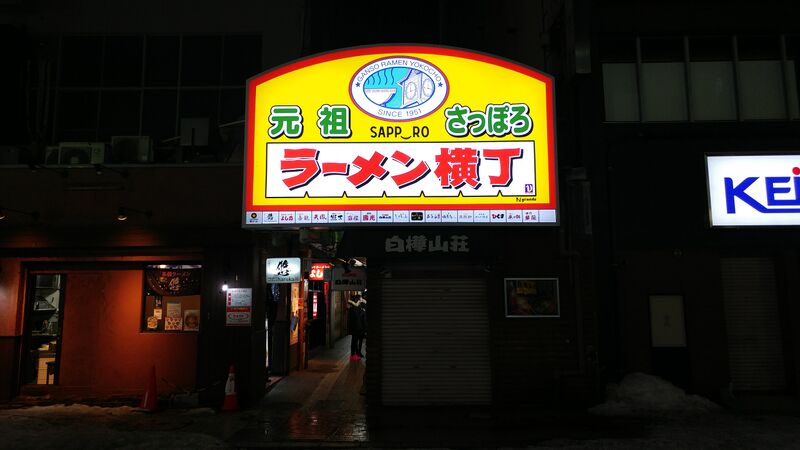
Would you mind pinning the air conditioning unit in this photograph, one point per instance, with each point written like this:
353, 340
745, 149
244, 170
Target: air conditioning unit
131, 149
9, 155
80, 153
51, 155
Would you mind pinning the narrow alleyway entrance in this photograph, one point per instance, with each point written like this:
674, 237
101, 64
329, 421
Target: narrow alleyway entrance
321, 403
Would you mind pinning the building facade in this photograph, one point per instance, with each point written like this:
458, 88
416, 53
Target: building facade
139, 112
654, 92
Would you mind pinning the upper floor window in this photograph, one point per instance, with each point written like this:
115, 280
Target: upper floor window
675, 79
149, 98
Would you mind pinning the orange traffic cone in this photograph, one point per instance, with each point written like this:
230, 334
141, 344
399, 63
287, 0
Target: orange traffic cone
150, 400
231, 402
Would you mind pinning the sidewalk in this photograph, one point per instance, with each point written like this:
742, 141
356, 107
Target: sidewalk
319, 404
321, 408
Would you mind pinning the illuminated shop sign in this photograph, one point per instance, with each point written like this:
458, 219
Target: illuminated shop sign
754, 190
400, 135
319, 272
284, 270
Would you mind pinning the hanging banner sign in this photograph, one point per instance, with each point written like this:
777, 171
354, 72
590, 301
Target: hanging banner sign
400, 135
238, 306
284, 270
353, 279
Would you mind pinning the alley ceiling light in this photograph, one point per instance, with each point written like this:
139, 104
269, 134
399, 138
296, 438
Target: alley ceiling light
123, 213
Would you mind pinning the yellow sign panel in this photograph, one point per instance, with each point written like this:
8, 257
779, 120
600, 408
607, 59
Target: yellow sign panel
400, 134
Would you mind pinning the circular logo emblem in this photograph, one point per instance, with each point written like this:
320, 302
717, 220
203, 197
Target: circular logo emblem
398, 88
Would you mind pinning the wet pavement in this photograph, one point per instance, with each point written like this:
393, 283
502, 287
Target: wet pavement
321, 407
319, 404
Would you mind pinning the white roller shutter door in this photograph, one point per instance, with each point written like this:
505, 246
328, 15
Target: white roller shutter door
752, 319
435, 342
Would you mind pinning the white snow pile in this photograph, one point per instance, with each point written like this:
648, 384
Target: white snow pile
643, 394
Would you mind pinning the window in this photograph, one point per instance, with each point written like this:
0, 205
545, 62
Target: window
171, 298
148, 86
710, 78
620, 80
42, 340
663, 80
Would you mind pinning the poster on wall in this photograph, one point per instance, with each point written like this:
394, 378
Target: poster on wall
400, 134
667, 327
191, 320
238, 306
532, 297
174, 319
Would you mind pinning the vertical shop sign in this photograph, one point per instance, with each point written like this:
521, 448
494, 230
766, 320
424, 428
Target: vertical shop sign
238, 306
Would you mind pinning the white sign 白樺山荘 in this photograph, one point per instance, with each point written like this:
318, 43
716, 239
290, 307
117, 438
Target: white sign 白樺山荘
350, 279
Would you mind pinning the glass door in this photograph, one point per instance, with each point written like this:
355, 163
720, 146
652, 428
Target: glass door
43, 329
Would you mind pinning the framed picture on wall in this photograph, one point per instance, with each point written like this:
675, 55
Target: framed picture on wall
667, 323
532, 297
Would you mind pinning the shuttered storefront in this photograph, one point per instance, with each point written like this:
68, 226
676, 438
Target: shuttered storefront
435, 342
752, 319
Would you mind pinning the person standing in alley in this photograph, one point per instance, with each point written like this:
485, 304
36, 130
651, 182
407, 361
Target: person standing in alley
362, 306
355, 326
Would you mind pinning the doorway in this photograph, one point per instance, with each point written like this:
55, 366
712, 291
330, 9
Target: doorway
42, 332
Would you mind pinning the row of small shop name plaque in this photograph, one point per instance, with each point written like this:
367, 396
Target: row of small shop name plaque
401, 216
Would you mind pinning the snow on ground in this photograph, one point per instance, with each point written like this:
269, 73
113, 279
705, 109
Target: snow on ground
639, 393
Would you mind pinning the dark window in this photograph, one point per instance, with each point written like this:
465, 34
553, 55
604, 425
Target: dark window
232, 105
81, 61
711, 49
78, 115
621, 50
711, 78
119, 114
161, 62
242, 59
200, 104
201, 60
122, 62
158, 115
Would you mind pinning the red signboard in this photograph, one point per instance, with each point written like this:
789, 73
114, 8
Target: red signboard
317, 272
